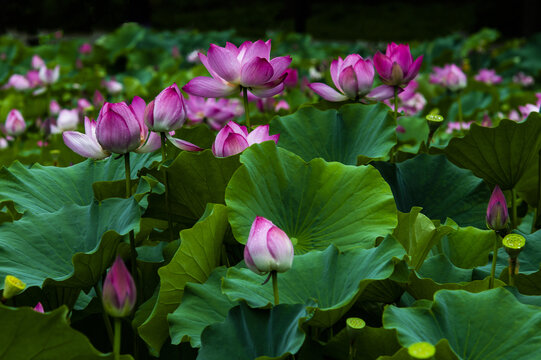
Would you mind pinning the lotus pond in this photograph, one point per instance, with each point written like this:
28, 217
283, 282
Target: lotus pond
185, 195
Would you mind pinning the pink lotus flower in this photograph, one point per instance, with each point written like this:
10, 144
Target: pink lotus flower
85, 144
121, 128
113, 86
167, 112
456, 125
15, 124
67, 119
215, 112
193, 57
83, 104
49, 76
396, 67
39, 308
18, 82
3, 143
497, 214
268, 248
119, 291
37, 62
450, 76
248, 66
33, 78
233, 139
85, 48
292, 78
54, 107
268, 104
353, 77
98, 99
523, 79
488, 76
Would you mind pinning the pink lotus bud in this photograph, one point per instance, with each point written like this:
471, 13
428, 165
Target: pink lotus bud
268, 248
248, 66
15, 124
397, 67
488, 76
37, 62
353, 78
233, 139
98, 99
54, 108
83, 104
118, 130
167, 112
450, 76
400, 129
33, 78
39, 308
497, 214
119, 292
49, 76
3, 143
113, 86
86, 48
281, 105
193, 57
67, 120
19, 82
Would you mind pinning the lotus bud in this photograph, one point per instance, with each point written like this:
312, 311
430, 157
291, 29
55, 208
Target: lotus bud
37, 62
167, 112
268, 248
39, 308
118, 129
54, 108
12, 287
85, 48
497, 214
15, 124
119, 292
67, 119
98, 99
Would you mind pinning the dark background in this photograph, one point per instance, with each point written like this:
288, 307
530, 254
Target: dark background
324, 19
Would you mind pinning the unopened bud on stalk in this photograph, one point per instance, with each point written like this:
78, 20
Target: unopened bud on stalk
497, 214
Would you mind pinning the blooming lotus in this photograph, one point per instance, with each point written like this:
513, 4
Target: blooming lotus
215, 112
119, 291
353, 77
523, 79
397, 67
233, 139
37, 62
67, 119
54, 107
39, 308
488, 76
268, 248
49, 76
85, 144
15, 124
497, 214
167, 112
449, 76
18, 82
249, 66
33, 78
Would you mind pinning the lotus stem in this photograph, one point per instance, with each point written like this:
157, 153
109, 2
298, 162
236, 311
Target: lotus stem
274, 275
514, 209
246, 107
494, 259
133, 251
396, 103
118, 332
166, 185
459, 103
106, 319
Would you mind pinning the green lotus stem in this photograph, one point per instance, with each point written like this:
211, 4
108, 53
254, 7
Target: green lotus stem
512, 270
494, 259
396, 102
166, 185
118, 332
133, 251
459, 102
274, 275
537, 212
106, 319
246, 106
16, 146
514, 209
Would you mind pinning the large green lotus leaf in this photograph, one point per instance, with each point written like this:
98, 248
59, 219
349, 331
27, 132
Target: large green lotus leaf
368, 344
199, 253
498, 155
468, 247
72, 246
331, 278
250, 334
42, 189
315, 203
443, 352
202, 305
27, 334
415, 133
488, 325
418, 234
439, 187
437, 273
354, 130
195, 179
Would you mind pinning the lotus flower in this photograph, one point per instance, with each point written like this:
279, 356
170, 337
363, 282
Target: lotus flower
396, 67
37, 62
83, 104
292, 78
18, 82
488, 76
233, 139
248, 66
215, 112
54, 107
497, 214
85, 48
268, 248
450, 76
12, 287
85, 144
67, 119
49, 76
119, 291
98, 99
39, 308
15, 124
33, 78
113, 86
353, 77
167, 112
523, 79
